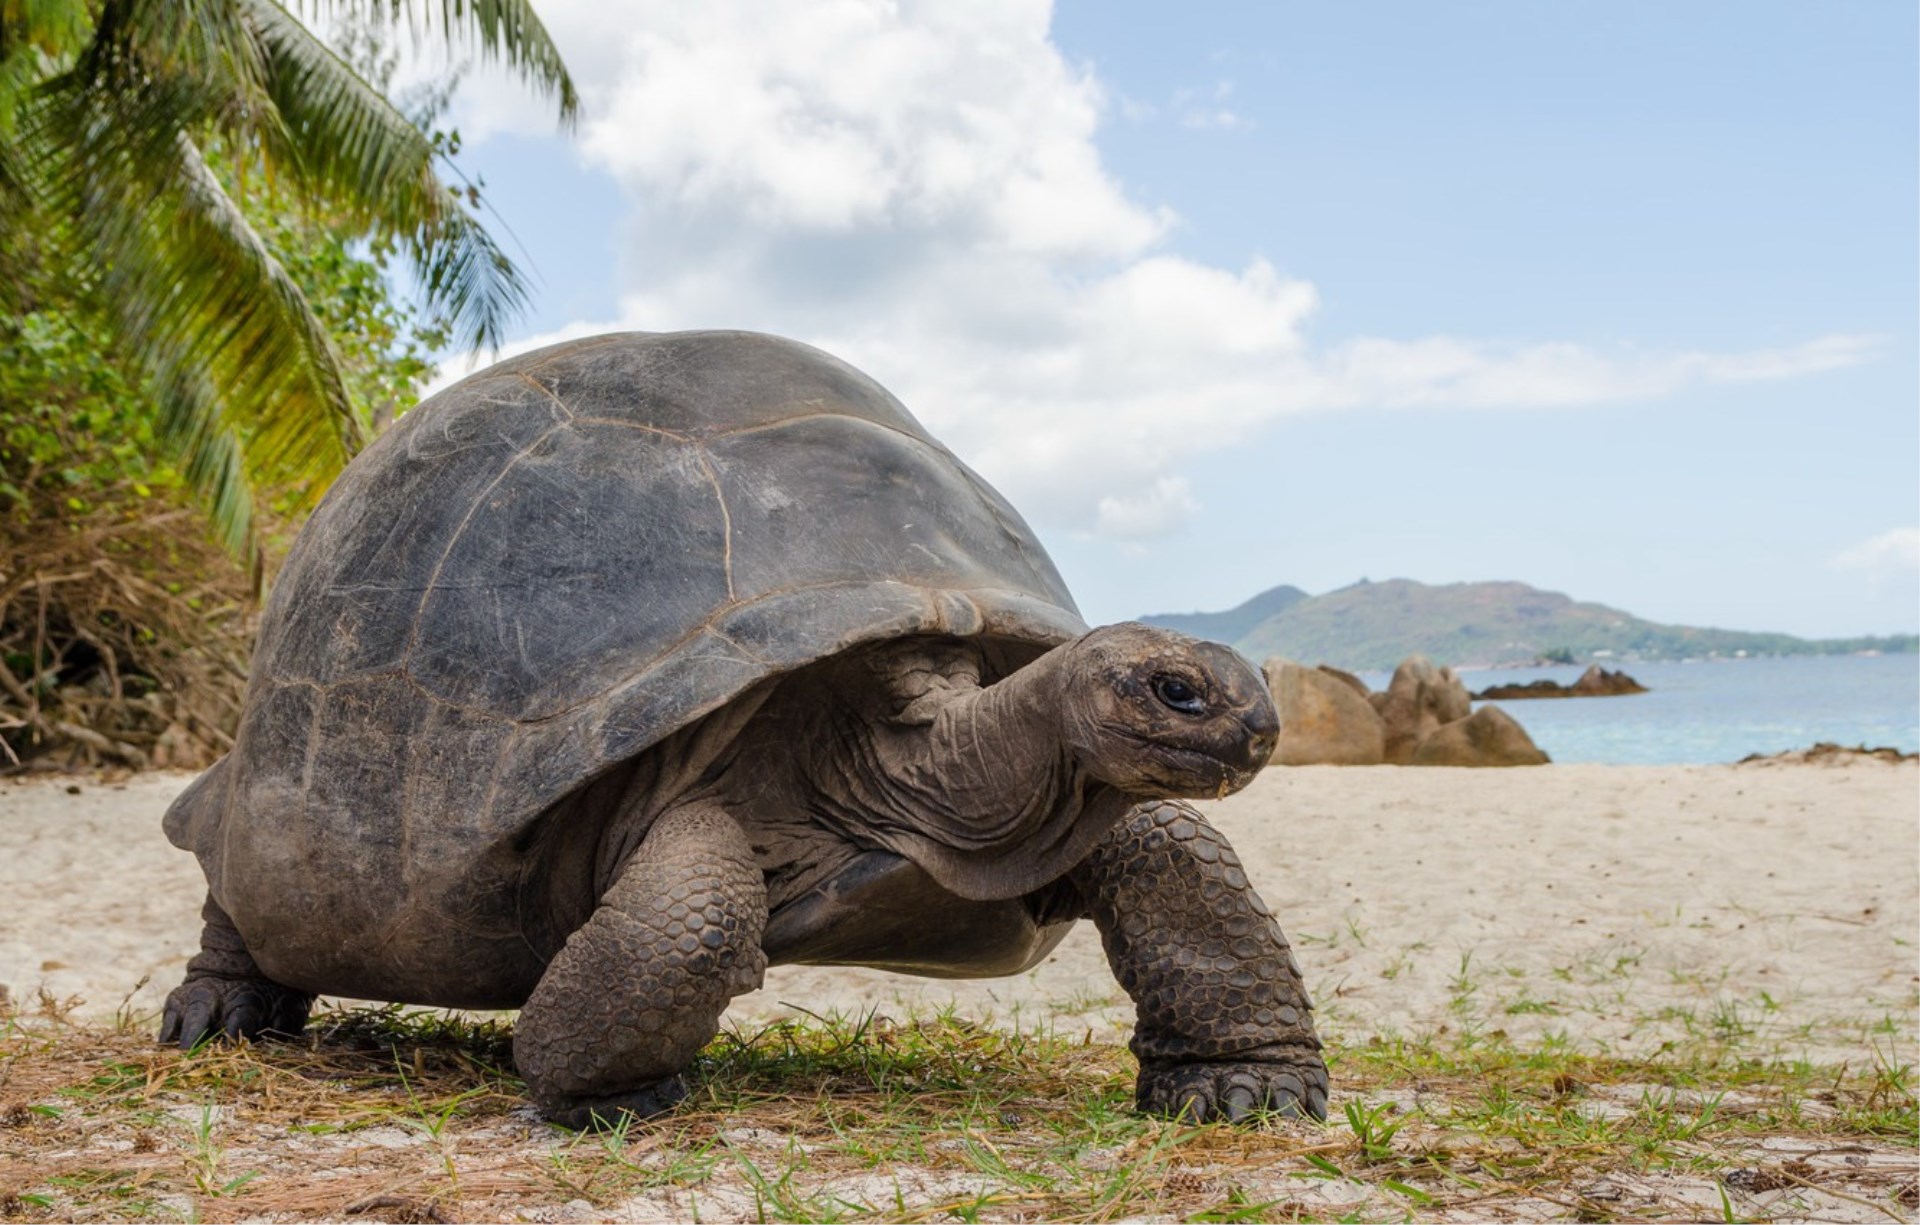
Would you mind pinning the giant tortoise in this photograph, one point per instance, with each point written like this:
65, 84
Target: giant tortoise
622, 669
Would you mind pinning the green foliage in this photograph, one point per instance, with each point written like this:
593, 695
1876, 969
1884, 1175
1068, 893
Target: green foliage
219, 194
385, 342
78, 422
124, 629
35, 34
73, 423
1373, 1128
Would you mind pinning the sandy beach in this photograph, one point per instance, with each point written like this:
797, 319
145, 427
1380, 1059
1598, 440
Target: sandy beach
1620, 907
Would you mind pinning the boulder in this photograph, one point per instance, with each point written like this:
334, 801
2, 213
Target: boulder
1514, 691
1823, 753
1487, 737
1346, 678
1322, 720
1419, 700
1595, 682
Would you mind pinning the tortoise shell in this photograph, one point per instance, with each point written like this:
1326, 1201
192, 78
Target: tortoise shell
551, 565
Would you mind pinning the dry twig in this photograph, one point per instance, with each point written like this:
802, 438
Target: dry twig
124, 635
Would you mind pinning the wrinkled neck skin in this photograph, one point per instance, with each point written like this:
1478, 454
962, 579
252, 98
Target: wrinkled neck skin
896, 748
976, 785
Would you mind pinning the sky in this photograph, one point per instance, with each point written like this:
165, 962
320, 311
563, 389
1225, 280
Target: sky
1617, 299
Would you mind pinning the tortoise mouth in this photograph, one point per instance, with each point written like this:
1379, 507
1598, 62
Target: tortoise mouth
1183, 771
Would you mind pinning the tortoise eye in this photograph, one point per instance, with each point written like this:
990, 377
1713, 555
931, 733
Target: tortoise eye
1176, 694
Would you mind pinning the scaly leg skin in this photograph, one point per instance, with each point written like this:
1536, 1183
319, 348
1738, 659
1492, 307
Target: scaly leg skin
1224, 1026
225, 994
639, 989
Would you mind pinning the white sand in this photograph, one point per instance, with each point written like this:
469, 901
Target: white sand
1621, 906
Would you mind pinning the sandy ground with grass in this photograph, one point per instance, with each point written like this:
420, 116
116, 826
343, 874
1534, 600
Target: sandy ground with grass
1621, 907
1565, 993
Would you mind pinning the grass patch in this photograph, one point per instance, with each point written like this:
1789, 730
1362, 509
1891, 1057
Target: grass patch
403, 1115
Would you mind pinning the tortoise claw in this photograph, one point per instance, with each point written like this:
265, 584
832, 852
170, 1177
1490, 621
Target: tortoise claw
1234, 1092
207, 1007
244, 1016
607, 1113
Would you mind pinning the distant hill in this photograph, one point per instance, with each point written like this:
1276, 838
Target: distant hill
1376, 625
1235, 623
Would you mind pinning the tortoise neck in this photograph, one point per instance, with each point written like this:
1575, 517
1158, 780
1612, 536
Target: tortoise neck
979, 786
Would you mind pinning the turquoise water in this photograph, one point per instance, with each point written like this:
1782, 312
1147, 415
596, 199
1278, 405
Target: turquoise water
1721, 710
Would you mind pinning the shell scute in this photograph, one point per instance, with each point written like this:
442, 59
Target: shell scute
593, 553
789, 628
685, 683
904, 510
347, 599
452, 769
700, 384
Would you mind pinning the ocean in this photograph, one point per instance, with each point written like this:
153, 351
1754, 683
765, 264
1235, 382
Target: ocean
1708, 711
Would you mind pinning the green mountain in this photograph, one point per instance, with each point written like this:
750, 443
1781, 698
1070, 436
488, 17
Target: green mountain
1234, 623
1376, 625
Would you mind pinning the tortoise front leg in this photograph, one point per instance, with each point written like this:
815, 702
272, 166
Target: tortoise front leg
636, 992
1224, 1025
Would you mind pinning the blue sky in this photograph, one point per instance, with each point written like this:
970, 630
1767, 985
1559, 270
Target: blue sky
1616, 299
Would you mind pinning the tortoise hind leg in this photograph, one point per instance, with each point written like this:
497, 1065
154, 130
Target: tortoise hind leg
225, 994
639, 989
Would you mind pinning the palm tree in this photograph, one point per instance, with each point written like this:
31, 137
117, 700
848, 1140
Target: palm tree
105, 110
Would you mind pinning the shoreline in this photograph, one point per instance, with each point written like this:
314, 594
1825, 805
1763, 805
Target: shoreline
1610, 660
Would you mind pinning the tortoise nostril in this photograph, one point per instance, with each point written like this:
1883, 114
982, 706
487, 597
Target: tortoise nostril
1262, 722
1258, 745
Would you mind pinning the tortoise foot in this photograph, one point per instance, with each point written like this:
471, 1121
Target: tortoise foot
607, 1113
210, 1006
1232, 1092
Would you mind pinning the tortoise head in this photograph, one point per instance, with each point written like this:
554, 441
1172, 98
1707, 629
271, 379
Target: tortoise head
1159, 715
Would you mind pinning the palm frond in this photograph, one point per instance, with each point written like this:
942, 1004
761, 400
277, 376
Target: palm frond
355, 148
506, 30
100, 134
213, 463
203, 53
198, 300
467, 275
179, 39
37, 39
252, 316
343, 139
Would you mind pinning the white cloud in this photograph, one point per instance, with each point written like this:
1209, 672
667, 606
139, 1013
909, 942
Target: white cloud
1454, 373
1890, 553
916, 187
1161, 509
956, 122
